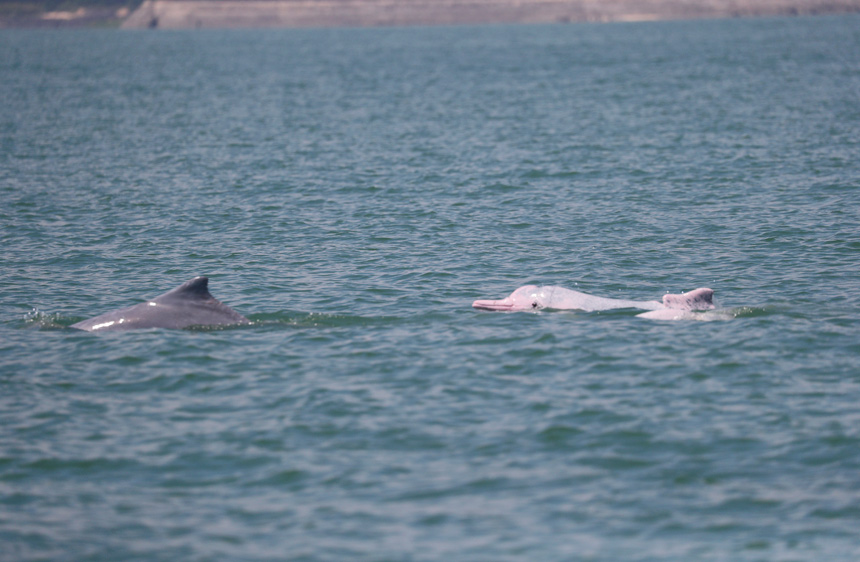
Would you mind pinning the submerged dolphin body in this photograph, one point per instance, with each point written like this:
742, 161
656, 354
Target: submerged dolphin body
532, 297
188, 305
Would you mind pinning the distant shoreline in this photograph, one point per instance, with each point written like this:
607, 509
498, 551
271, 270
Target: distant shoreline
29, 15
191, 14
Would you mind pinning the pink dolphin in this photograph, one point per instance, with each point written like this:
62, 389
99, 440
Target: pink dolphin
532, 297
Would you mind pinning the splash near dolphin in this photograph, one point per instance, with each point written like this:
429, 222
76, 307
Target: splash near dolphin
533, 297
188, 305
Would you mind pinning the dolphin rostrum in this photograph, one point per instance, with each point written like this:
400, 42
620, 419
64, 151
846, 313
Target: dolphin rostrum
188, 305
532, 297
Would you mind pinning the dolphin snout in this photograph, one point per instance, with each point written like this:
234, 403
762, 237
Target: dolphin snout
504, 304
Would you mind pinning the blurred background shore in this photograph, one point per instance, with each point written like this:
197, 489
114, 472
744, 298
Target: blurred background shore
183, 14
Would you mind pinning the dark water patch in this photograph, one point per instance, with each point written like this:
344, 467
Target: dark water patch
559, 435
291, 478
69, 468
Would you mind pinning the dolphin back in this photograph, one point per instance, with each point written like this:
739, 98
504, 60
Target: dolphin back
190, 304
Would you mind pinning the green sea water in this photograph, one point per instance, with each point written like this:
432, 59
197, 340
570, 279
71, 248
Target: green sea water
352, 191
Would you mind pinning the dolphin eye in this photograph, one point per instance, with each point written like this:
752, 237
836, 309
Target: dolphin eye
534, 304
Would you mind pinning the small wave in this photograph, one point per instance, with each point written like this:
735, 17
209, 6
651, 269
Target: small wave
317, 320
38, 320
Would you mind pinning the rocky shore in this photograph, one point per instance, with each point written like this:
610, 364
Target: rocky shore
175, 14
32, 15
184, 14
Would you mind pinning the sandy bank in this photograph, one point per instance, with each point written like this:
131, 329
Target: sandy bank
178, 14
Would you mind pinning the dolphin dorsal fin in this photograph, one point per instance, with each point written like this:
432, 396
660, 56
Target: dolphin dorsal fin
197, 288
697, 299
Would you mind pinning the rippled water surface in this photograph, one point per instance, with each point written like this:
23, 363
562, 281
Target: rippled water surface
352, 192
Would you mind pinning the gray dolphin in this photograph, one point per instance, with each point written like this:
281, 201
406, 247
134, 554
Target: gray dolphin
190, 304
